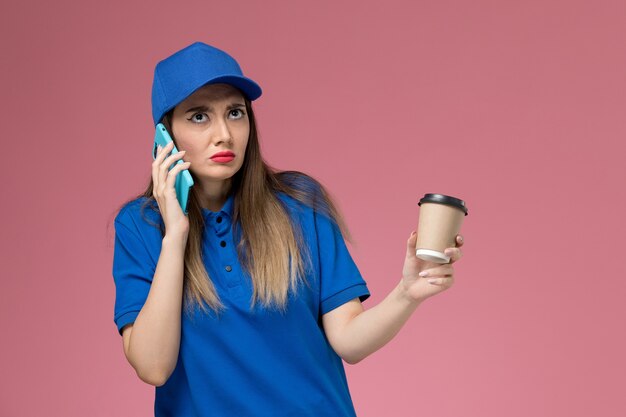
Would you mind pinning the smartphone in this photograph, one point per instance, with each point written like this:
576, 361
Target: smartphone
183, 179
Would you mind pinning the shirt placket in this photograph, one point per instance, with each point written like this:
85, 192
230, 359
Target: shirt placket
229, 266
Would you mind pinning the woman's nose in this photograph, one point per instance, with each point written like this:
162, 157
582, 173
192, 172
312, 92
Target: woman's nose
223, 132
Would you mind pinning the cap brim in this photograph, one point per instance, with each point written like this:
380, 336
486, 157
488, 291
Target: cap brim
249, 88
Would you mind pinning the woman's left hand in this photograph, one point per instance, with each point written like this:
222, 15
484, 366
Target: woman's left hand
419, 287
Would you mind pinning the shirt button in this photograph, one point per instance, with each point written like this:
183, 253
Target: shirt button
228, 268
219, 219
222, 243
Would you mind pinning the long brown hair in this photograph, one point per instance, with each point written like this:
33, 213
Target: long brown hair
271, 247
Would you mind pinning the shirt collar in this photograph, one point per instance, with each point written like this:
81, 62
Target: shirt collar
227, 208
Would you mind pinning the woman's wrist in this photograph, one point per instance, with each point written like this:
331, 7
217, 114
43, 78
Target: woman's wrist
405, 294
175, 239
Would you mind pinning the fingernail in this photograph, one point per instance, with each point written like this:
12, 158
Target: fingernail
432, 281
423, 274
413, 232
158, 148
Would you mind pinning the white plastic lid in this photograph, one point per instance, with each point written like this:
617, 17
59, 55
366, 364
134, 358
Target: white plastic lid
432, 256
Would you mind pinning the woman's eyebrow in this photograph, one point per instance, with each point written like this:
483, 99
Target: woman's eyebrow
209, 108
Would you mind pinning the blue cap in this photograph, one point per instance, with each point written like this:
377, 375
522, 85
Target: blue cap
179, 75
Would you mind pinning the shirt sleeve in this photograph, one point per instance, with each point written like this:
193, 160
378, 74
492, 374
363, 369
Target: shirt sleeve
133, 270
340, 278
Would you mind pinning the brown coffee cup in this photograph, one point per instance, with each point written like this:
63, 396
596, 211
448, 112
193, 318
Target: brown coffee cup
439, 223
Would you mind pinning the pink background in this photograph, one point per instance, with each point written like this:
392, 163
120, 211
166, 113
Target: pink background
517, 107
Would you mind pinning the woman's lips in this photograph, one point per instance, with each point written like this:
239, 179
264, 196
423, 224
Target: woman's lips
222, 159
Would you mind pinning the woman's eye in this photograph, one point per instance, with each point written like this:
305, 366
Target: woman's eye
237, 113
197, 118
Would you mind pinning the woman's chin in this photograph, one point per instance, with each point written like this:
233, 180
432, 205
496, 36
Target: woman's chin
216, 174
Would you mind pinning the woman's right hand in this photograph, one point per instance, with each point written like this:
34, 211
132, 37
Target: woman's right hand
164, 192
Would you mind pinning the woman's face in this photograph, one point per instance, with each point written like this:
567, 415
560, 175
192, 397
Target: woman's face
213, 119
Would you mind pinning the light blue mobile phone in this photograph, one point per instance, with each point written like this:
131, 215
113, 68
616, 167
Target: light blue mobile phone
183, 179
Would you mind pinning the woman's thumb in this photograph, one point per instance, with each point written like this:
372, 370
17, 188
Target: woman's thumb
411, 243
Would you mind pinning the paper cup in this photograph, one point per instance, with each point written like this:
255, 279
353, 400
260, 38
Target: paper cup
440, 221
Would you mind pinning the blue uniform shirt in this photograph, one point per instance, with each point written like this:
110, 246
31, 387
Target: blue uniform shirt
249, 362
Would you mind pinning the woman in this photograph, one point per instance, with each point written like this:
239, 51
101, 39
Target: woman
247, 305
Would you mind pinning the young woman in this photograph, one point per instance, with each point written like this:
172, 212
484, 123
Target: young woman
247, 305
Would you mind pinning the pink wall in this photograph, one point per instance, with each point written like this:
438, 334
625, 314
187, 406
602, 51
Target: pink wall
515, 106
